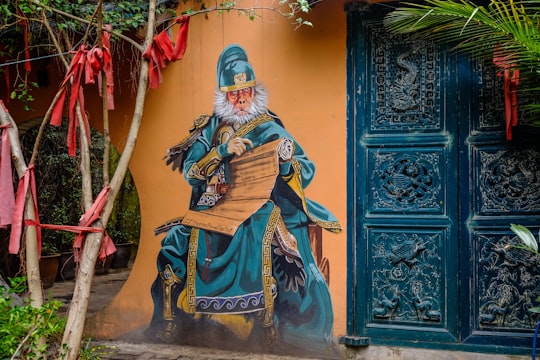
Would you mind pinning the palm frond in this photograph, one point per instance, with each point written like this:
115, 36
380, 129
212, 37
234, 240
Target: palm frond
506, 30
511, 27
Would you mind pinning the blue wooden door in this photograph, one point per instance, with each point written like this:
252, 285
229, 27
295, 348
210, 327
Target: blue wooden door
500, 185
433, 187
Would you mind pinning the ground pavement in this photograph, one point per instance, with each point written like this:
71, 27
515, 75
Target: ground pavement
106, 286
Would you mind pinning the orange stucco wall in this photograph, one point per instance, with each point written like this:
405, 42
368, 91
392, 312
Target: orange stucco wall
304, 71
305, 74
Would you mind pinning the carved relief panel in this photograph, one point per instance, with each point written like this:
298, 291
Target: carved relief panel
405, 154
508, 181
508, 283
406, 277
406, 83
409, 181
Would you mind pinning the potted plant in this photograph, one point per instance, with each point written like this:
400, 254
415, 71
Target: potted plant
57, 171
67, 268
124, 250
48, 264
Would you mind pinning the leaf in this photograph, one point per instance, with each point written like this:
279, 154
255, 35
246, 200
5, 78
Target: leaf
469, 20
475, 29
525, 236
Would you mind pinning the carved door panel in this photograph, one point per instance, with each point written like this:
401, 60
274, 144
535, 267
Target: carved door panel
433, 188
404, 155
504, 180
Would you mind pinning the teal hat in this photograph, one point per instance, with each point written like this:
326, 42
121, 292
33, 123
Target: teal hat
234, 72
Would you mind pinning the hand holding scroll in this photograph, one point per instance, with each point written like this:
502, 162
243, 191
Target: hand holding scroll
238, 146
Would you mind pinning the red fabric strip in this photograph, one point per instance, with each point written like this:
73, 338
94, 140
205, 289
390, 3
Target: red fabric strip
511, 82
27, 181
74, 73
84, 227
18, 215
7, 195
4, 59
181, 39
27, 65
107, 67
58, 109
107, 245
161, 51
156, 53
90, 63
70, 228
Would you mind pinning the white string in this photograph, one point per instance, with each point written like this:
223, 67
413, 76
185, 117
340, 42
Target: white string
33, 59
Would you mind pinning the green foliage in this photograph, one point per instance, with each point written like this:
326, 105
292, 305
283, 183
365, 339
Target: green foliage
122, 15
526, 237
69, 22
125, 221
23, 93
295, 7
94, 352
58, 182
529, 243
510, 30
22, 326
287, 8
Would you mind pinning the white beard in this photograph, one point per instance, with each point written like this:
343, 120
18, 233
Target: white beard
226, 111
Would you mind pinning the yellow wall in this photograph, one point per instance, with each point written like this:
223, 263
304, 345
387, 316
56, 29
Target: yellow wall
305, 73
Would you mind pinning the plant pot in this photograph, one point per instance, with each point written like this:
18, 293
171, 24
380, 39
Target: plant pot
48, 268
122, 255
103, 266
66, 267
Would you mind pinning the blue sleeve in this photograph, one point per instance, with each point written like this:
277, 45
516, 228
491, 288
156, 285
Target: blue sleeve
272, 131
196, 152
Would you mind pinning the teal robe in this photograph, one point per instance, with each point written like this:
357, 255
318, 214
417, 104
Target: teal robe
234, 275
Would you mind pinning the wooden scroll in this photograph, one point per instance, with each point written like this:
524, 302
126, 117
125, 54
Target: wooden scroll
253, 177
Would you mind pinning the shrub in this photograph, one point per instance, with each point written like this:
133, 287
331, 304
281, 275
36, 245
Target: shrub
21, 326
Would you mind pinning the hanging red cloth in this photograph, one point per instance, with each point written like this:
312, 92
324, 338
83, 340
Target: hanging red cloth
99, 60
27, 65
7, 196
91, 62
511, 82
28, 181
75, 72
84, 227
107, 245
3, 60
108, 68
161, 51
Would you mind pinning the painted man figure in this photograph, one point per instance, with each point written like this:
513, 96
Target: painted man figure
258, 284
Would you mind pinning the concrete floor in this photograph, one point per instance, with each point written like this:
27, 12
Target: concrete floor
104, 289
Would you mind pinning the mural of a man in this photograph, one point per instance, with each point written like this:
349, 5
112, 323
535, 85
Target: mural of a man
259, 285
